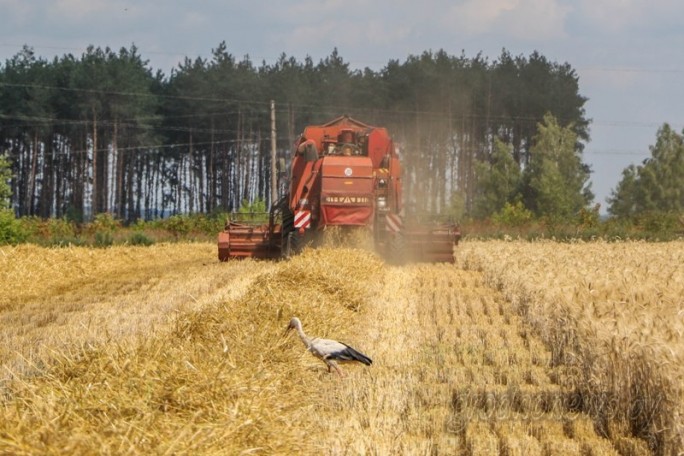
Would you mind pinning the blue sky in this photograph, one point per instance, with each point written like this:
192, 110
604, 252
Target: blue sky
629, 54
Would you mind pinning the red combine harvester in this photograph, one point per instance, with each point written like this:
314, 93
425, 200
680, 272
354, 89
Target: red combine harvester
344, 173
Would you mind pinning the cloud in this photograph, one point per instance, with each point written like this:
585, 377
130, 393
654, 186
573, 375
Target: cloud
15, 12
308, 10
619, 15
79, 9
519, 19
194, 19
345, 34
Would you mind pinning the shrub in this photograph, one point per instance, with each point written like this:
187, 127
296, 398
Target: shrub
61, 229
253, 212
104, 239
140, 238
209, 224
178, 225
105, 223
11, 230
589, 218
662, 224
513, 215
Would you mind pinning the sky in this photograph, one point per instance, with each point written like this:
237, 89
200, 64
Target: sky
628, 54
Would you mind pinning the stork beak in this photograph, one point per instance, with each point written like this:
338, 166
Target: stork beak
287, 330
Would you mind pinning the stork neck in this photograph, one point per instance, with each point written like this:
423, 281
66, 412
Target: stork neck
303, 336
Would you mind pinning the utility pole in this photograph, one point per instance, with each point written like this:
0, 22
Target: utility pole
274, 177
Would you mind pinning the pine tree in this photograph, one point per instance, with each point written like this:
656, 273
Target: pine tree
556, 181
656, 186
498, 181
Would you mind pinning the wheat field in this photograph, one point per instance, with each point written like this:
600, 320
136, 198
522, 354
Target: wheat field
517, 349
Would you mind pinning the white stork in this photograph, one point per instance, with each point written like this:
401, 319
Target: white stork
330, 351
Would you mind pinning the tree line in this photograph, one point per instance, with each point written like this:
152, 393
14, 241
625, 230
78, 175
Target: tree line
104, 132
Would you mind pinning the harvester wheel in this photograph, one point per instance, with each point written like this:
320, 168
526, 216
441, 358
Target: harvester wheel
287, 228
292, 245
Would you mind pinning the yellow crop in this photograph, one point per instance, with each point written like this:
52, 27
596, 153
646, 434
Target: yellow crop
518, 349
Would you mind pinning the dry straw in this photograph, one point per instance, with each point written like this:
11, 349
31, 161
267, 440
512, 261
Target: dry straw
457, 369
221, 381
54, 298
612, 313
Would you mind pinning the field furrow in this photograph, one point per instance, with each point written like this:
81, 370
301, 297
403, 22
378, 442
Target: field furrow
518, 349
456, 372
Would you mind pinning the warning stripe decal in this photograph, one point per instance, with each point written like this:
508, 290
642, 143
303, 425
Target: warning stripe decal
302, 219
394, 223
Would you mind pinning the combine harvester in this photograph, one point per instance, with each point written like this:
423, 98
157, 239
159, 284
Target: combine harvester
344, 173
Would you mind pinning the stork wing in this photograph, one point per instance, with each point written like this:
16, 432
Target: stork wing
331, 349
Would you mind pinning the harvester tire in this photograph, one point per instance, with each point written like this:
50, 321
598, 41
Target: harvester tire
292, 244
287, 228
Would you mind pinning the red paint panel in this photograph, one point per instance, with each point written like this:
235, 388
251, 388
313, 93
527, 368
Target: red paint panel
346, 167
347, 215
347, 191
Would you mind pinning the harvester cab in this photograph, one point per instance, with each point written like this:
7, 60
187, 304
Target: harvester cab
343, 173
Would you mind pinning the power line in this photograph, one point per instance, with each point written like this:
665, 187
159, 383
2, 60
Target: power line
154, 148
609, 69
634, 152
205, 54
263, 104
133, 94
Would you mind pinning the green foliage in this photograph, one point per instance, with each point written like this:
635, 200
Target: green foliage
178, 225
623, 200
188, 121
498, 181
248, 207
104, 239
11, 229
5, 189
140, 238
103, 228
51, 231
553, 186
208, 224
61, 231
659, 223
252, 211
181, 226
73, 214
515, 214
556, 181
589, 218
139, 225
656, 186
456, 209
105, 223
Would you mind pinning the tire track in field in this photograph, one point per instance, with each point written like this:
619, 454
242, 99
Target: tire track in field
455, 372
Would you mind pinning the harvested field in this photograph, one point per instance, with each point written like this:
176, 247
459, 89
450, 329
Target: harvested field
163, 350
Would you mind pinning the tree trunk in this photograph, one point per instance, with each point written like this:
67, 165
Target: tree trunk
94, 206
211, 171
190, 178
119, 203
30, 194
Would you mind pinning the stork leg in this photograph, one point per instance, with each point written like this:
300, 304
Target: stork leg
333, 365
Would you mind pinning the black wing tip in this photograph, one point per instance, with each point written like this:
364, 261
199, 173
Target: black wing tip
354, 355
